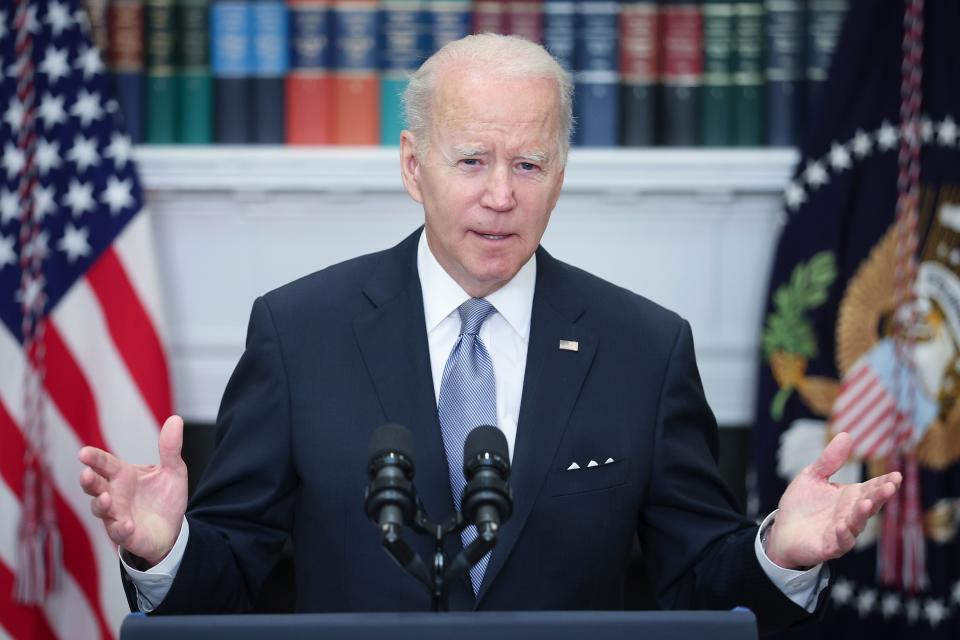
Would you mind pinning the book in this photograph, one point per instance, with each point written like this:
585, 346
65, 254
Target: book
824, 20
309, 82
524, 18
596, 73
784, 70
559, 25
749, 96
489, 16
448, 20
195, 95
405, 40
717, 94
639, 67
681, 25
125, 61
269, 68
96, 11
161, 90
356, 85
231, 49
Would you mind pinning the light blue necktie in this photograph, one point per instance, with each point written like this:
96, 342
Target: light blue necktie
468, 399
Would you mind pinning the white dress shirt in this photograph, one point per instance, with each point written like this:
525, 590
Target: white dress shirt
505, 334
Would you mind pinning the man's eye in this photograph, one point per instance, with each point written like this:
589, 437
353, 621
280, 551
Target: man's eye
527, 166
470, 162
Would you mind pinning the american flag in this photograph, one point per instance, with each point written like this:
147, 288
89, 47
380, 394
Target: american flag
81, 348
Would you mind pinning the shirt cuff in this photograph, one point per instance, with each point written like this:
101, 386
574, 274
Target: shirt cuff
153, 584
802, 587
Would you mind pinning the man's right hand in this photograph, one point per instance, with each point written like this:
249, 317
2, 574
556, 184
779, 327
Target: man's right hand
141, 506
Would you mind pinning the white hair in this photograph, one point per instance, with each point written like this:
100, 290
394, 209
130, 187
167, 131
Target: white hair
508, 56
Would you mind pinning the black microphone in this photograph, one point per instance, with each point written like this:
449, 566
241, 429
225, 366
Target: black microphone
390, 498
487, 500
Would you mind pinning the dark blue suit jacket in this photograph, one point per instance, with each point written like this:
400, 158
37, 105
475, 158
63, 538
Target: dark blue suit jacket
332, 356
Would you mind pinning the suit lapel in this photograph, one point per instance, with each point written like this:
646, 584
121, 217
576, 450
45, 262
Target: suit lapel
551, 385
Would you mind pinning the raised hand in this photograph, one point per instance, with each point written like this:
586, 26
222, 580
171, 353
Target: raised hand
819, 520
141, 506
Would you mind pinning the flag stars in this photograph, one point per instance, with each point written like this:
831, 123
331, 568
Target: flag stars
9, 207
84, 153
55, 64
816, 174
862, 144
119, 150
947, 132
38, 246
43, 203
51, 110
89, 62
74, 242
58, 17
13, 161
955, 594
890, 604
935, 611
887, 136
866, 601
839, 157
14, 115
794, 195
31, 295
79, 198
926, 129
87, 107
842, 591
7, 253
48, 156
117, 195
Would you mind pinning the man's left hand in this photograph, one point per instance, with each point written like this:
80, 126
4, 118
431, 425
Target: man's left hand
819, 520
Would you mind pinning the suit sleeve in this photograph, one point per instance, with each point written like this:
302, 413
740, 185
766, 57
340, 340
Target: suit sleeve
242, 511
698, 547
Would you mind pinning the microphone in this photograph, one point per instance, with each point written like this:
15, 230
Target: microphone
390, 498
487, 500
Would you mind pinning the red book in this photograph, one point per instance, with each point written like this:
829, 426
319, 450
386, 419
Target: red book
525, 18
309, 83
356, 81
489, 16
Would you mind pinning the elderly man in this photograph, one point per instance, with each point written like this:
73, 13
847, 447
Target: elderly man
469, 322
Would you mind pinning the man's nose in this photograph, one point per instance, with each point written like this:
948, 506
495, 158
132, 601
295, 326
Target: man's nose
498, 191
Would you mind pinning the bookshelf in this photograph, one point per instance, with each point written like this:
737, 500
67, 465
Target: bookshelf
692, 229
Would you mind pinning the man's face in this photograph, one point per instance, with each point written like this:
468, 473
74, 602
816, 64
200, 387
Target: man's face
491, 175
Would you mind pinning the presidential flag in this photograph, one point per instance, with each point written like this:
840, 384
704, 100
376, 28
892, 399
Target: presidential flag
81, 350
862, 328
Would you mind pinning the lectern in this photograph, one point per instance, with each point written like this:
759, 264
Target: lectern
513, 625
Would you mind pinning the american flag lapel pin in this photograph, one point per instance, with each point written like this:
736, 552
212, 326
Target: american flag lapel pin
569, 345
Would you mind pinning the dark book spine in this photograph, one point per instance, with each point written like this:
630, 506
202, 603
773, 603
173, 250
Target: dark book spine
355, 72
639, 66
126, 61
824, 20
270, 46
559, 25
231, 53
749, 104
682, 76
449, 20
597, 73
160, 35
525, 19
716, 105
784, 40
195, 107
404, 40
97, 15
309, 84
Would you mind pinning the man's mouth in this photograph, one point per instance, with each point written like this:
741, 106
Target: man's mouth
493, 236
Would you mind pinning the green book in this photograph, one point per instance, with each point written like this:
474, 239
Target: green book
749, 95
195, 82
716, 121
161, 82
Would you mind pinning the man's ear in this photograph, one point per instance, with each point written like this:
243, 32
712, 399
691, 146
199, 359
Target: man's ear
410, 165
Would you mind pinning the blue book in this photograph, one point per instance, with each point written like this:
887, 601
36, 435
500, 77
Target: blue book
270, 39
449, 20
404, 41
784, 35
559, 25
126, 63
231, 49
596, 73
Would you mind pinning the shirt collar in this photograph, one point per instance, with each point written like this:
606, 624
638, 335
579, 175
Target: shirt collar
442, 295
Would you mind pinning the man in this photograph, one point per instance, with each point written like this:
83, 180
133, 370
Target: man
595, 388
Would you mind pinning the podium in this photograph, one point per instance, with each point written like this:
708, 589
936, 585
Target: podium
496, 625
